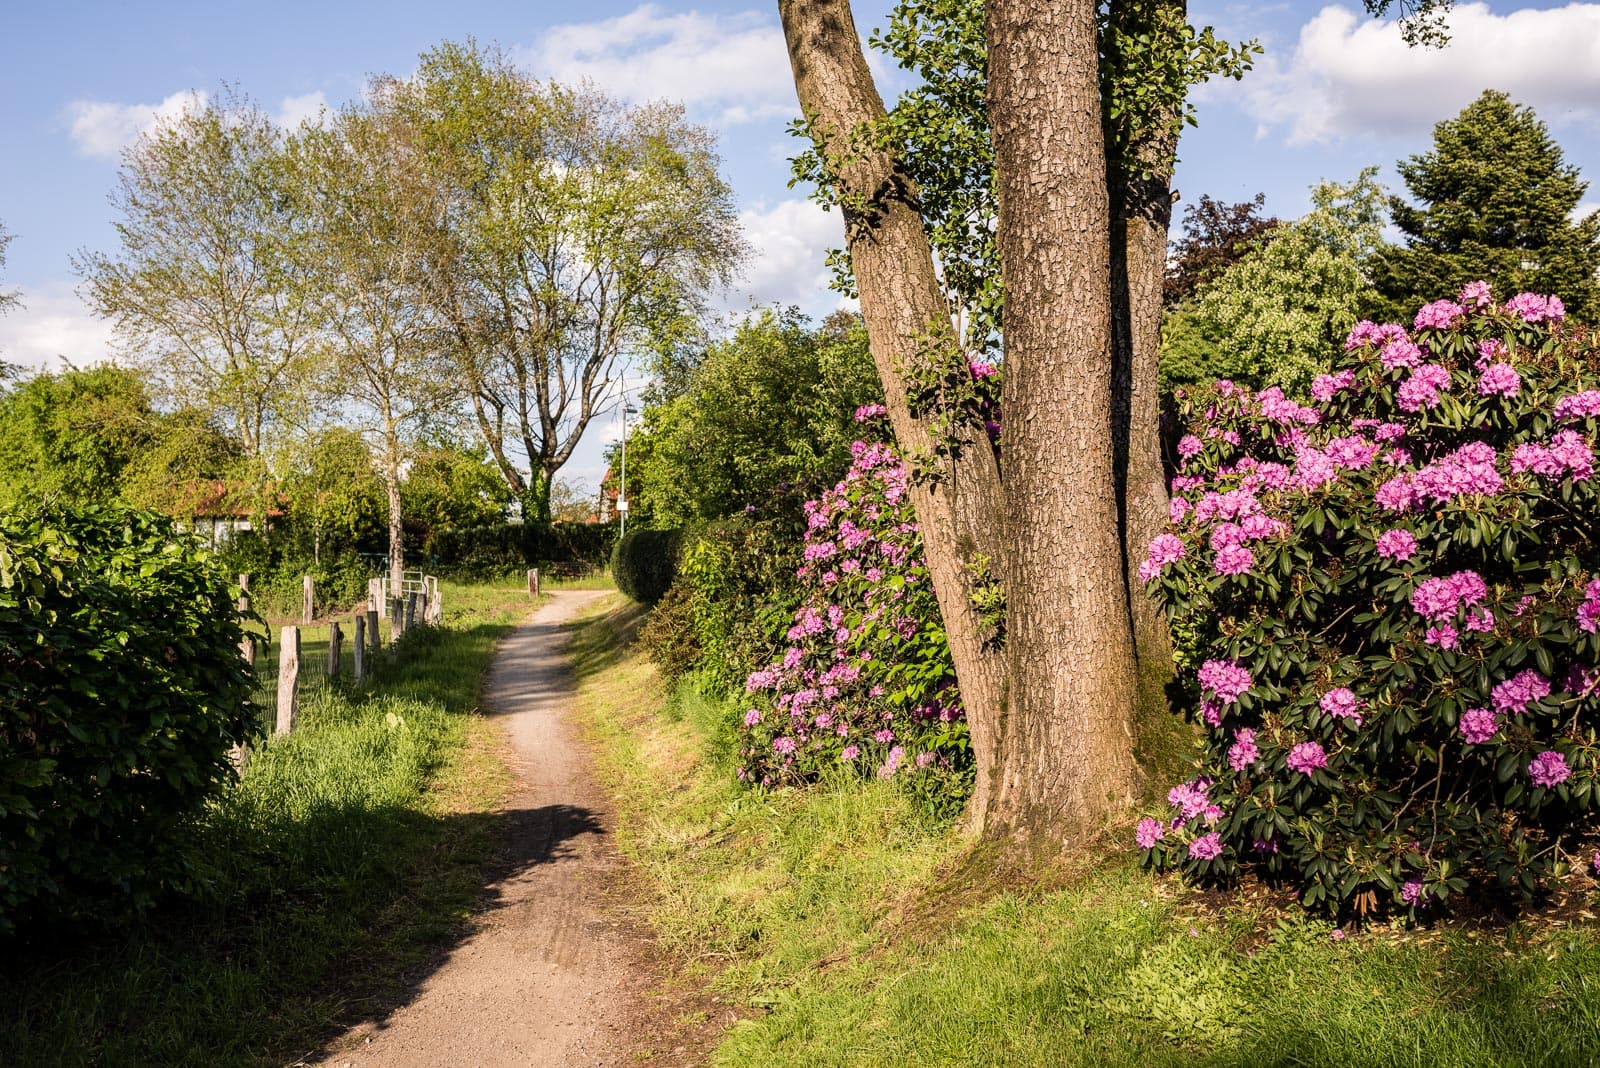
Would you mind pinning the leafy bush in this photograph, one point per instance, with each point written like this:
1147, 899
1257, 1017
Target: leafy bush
121, 690
1394, 602
865, 682
504, 548
645, 562
277, 566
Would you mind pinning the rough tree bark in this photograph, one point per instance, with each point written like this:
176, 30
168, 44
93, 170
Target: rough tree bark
1067, 759
961, 510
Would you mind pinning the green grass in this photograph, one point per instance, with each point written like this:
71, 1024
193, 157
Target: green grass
852, 934
350, 852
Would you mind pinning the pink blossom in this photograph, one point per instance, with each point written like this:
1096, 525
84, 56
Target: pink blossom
1439, 315
1401, 352
1499, 378
1341, 703
1243, 752
1149, 832
1397, 544
1307, 757
870, 411
1533, 308
1514, 695
1589, 612
752, 717
1443, 635
1585, 405
1325, 387
1189, 798
1490, 350
1226, 678
1478, 725
1476, 295
1206, 847
784, 744
1189, 446
1396, 495
1548, 769
1421, 389
850, 752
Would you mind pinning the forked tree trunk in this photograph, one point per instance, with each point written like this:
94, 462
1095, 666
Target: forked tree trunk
1066, 761
961, 510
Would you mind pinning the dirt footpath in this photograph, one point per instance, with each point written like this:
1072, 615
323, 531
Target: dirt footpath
548, 977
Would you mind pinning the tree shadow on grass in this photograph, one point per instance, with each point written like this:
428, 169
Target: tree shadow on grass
334, 921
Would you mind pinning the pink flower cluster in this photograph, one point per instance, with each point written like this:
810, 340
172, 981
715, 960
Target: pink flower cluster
1549, 769
1585, 405
1227, 679
1397, 544
1499, 379
1437, 599
1533, 308
1164, 549
1567, 455
1421, 389
1513, 696
1476, 295
1589, 610
1306, 758
1325, 387
1478, 725
1243, 752
1467, 470
1342, 703
1440, 315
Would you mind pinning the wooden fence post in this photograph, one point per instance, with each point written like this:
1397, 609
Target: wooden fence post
335, 648
247, 644
411, 610
374, 635
288, 678
433, 614
308, 601
360, 648
397, 618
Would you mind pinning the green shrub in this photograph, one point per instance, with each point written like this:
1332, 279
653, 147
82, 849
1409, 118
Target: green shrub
1393, 597
121, 690
645, 562
502, 548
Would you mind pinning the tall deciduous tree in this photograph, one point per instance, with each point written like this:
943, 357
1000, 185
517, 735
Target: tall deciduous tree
1070, 89
1495, 200
9, 298
371, 227
585, 231
1215, 236
205, 285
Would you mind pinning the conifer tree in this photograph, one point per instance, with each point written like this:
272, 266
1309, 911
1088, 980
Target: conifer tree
1495, 200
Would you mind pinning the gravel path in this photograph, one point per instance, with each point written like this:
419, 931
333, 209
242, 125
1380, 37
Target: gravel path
546, 978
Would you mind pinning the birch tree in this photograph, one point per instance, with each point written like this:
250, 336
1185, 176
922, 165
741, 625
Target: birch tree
205, 286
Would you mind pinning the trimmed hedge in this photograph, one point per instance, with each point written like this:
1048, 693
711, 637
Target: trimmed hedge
645, 562
476, 552
121, 691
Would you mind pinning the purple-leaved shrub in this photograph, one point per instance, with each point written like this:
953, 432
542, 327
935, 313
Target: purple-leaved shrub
864, 684
1394, 604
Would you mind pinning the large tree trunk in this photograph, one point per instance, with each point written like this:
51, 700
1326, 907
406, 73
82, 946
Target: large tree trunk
1142, 212
1067, 757
960, 509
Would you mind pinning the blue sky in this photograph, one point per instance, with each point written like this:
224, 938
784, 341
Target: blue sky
1335, 91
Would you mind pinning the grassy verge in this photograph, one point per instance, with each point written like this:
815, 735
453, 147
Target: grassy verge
350, 851
850, 934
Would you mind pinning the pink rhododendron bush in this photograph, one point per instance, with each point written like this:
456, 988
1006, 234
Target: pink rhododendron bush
1395, 593
864, 685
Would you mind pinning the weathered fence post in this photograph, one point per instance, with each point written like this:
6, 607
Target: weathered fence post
308, 601
411, 610
360, 648
433, 614
247, 644
335, 649
397, 618
374, 635
533, 582
374, 594
288, 678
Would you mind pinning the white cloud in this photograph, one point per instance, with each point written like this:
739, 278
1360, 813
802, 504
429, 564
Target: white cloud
101, 128
1350, 74
1585, 209
53, 325
297, 109
789, 242
732, 67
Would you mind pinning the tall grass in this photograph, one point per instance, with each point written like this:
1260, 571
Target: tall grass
854, 934
348, 853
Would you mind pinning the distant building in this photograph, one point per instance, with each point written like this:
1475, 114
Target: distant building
607, 511
222, 509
